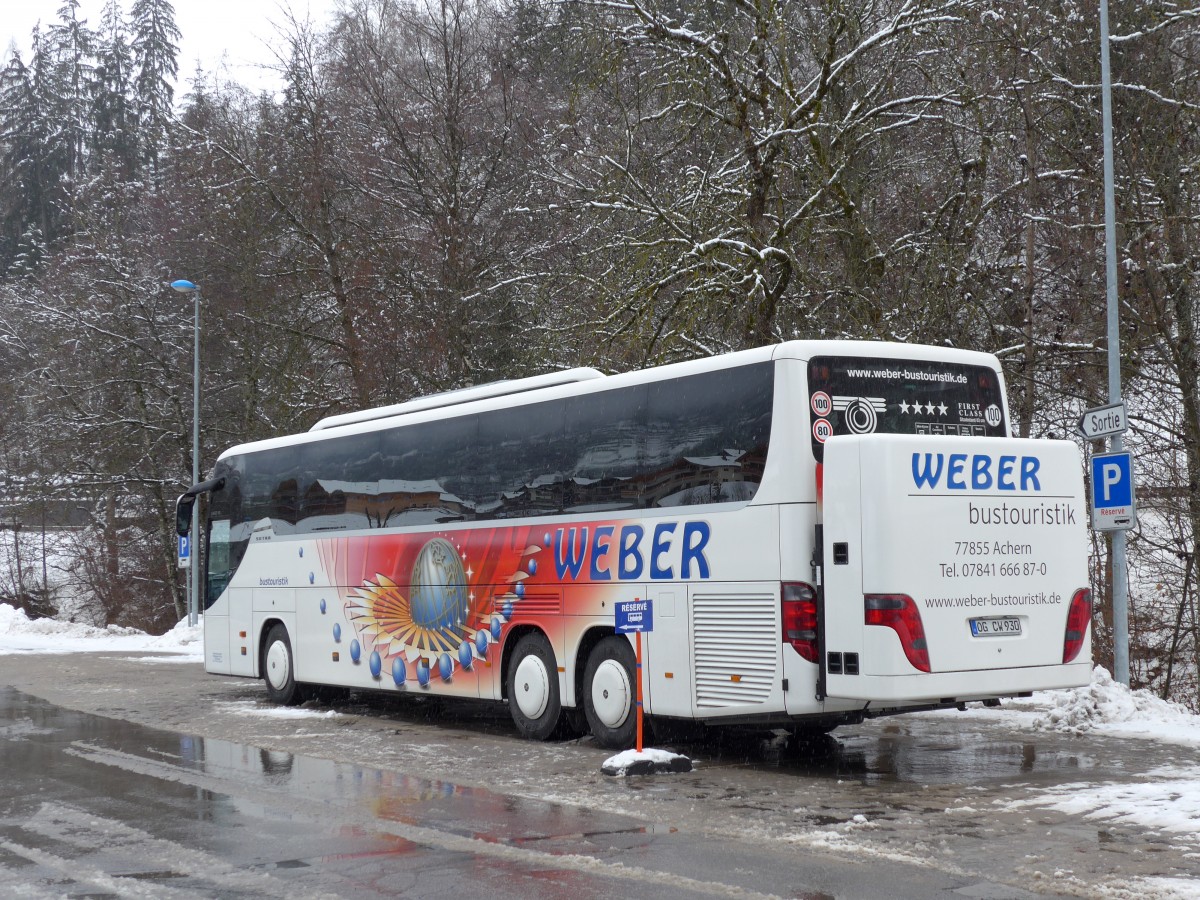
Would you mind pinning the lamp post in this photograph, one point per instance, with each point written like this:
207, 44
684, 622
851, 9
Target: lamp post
186, 287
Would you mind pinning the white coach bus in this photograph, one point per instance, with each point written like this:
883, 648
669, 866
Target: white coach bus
825, 530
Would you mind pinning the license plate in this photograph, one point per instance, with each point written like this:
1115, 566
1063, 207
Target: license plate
995, 625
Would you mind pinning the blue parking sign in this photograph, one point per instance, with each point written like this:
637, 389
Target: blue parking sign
185, 551
1113, 501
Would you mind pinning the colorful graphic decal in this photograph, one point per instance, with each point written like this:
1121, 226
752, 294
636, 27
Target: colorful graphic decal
429, 606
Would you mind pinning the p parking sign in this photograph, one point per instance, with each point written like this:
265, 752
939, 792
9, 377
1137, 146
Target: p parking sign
1113, 504
185, 551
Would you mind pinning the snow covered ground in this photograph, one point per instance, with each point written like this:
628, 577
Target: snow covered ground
19, 634
1165, 799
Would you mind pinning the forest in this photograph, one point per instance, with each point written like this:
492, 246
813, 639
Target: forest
450, 192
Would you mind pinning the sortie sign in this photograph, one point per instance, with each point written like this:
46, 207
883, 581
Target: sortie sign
1104, 421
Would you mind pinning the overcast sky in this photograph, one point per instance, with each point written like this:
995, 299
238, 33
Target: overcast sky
232, 33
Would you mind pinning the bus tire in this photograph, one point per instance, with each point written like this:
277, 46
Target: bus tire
609, 693
279, 668
532, 686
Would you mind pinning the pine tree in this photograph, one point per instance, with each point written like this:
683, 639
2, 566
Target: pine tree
114, 137
70, 47
32, 159
16, 206
155, 52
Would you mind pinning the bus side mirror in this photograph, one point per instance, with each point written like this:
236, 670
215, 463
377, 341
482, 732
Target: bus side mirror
183, 513
187, 501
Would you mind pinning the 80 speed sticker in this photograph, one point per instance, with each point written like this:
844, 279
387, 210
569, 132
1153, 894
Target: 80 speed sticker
822, 430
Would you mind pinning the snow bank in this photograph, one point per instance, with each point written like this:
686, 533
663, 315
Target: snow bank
1101, 707
1105, 706
20, 634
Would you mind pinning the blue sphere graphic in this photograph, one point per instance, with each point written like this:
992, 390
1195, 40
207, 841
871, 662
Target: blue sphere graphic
497, 625
322, 606
423, 673
519, 590
532, 567
337, 632
445, 666
439, 587
355, 650
302, 553
546, 539
376, 664
464, 654
508, 609
481, 642
399, 671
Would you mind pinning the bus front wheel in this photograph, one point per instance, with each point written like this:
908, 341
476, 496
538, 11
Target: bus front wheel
533, 688
279, 670
609, 693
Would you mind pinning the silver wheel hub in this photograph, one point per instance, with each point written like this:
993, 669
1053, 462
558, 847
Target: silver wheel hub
612, 693
531, 685
279, 665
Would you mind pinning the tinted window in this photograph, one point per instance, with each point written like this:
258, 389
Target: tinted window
700, 439
849, 395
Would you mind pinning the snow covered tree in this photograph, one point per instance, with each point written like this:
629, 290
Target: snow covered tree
71, 49
155, 47
34, 158
114, 136
733, 158
433, 88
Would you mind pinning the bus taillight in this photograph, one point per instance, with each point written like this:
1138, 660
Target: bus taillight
800, 619
1078, 617
899, 613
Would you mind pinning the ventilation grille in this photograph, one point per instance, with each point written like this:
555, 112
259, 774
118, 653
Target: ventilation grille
532, 605
737, 649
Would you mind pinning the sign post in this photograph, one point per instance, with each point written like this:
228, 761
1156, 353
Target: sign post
1120, 572
1112, 477
636, 616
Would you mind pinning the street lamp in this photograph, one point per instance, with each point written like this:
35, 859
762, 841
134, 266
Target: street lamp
186, 287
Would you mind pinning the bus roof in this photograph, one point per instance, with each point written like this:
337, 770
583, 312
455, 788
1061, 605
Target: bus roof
503, 388
584, 380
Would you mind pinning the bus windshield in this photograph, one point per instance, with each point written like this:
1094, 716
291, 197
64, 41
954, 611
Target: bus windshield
852, 395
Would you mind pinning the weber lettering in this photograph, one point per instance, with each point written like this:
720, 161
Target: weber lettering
976, 472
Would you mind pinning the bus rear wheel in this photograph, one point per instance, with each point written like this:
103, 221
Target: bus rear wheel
609, 697
279, 669
532, 686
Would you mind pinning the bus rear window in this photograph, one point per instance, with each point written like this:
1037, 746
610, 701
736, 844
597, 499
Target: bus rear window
849, 395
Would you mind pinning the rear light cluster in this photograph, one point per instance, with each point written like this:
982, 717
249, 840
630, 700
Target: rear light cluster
1078, 616
899, 613
800, 619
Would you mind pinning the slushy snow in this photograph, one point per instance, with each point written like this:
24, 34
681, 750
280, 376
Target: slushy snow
1167, 800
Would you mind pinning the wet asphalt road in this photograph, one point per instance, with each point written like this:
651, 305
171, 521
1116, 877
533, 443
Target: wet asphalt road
101, 807
371, 798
